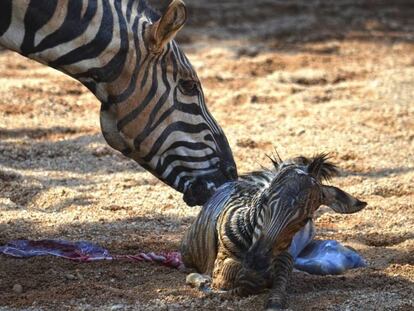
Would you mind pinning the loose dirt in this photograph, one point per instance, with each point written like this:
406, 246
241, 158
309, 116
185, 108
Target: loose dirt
300, 76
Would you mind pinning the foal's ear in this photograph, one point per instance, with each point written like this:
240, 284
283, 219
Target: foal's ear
340, 201
165, 29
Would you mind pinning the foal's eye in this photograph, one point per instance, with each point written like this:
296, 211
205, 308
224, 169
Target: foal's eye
188, 87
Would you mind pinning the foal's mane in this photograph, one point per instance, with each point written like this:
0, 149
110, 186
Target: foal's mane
319, 166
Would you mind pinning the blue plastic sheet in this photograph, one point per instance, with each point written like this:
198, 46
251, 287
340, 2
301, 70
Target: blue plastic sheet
328, 257
322, 257
302, 239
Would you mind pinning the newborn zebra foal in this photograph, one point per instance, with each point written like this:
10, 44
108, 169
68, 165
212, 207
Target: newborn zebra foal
242, 235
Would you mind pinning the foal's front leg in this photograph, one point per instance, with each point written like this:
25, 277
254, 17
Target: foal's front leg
283, 266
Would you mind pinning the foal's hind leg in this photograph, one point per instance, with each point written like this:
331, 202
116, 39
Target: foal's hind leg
283, 266
225, 273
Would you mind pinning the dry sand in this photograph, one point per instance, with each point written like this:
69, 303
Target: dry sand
301, 76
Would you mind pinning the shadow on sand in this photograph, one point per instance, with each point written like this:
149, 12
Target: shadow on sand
43, 277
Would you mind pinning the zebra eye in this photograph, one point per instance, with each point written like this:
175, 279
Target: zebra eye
188, 87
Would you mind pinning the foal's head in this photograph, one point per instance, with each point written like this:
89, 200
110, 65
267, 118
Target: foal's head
295, 193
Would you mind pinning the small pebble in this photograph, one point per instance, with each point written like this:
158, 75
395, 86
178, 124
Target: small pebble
70, 276
197, 280
79, 276
117, 307
174, 306
300, 132
254, 99
250, 51
17, 288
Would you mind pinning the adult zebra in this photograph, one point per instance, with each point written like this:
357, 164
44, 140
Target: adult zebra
153, 108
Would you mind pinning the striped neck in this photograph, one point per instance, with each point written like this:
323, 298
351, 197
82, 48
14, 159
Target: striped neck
89, 40
153, 108
241, 215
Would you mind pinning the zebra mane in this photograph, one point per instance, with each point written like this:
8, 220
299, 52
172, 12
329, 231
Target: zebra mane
276, 159
321, 168
146, 9
319, 165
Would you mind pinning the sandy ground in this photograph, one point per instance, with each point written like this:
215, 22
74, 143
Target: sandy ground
301, 76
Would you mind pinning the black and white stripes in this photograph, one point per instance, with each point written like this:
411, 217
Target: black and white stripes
153, 108
242, 235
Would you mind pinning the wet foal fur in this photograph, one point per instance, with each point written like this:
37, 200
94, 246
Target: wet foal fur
242, 235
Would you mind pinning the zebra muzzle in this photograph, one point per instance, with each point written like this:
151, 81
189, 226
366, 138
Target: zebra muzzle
203, 187
198, 193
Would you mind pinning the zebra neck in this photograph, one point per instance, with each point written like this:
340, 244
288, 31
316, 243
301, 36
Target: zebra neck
252, 216
239, 224
92, 41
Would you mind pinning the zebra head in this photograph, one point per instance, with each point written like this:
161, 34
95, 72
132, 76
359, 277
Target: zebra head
293, 196
161, 119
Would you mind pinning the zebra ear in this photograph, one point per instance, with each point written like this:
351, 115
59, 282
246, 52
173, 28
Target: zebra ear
340, 201
165, 29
